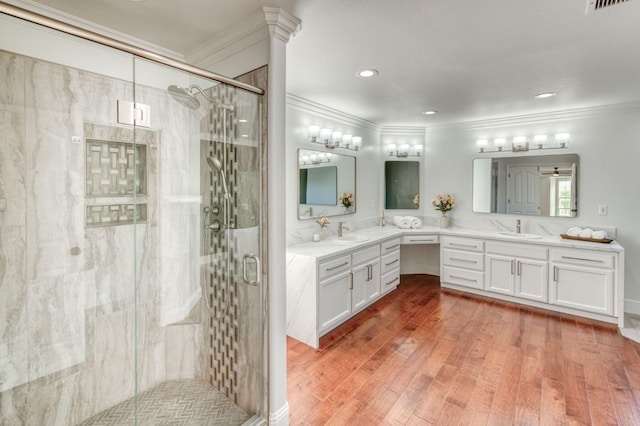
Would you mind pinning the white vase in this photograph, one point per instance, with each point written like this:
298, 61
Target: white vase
444, 221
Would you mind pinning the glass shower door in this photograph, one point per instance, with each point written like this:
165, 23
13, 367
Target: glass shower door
199, 300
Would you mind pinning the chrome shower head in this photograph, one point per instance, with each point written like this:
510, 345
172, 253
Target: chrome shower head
184, 96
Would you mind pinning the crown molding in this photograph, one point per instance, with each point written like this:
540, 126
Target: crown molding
67, 18
527, 119
325, 111
252, 31
404, 130
282, 24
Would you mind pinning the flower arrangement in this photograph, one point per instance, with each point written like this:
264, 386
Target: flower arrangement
347, 199
444, 203
416, 200
323, 222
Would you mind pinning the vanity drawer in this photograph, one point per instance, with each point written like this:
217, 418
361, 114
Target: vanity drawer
334, 266
390, 245
365, 255
463, 259
389, 281
462, 277
468, 244
389, 262
530, 251
590, 258
420, 239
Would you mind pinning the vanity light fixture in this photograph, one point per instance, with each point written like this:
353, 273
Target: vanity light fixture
333, 139
404, 150
521, 143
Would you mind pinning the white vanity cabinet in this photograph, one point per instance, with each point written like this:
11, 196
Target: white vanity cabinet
584, 280
389, 265
517, 269
462, 262
334, 292
366, 277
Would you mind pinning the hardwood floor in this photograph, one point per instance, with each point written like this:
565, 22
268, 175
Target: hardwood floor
424, 356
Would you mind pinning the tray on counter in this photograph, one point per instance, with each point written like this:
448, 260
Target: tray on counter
592, 240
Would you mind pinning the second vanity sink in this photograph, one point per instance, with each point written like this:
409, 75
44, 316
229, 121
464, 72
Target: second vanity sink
520, 236
351, 239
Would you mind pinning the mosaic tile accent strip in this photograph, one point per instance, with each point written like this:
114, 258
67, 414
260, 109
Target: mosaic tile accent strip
176, 402
115, 168
115, 214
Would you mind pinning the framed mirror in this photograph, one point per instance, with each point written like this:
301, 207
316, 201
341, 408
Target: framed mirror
326, 184
401, 184
538, 185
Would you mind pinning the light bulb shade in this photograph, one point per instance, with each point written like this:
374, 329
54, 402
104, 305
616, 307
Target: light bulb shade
418, 149
336, 137
313, 158
357, 141
322, 156
329, 156
325, 134
520, 140
391, 148
404, 148
313, 130
305, 159
499, 142
562, 138
346, 139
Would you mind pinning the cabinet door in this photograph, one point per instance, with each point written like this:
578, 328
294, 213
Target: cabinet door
359, 290
373, 285
532, 277
334, 304
500, 274
579, 287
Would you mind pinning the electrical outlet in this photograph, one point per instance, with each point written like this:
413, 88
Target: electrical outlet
602, 210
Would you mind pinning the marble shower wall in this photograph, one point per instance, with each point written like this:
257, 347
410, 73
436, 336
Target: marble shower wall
67, 292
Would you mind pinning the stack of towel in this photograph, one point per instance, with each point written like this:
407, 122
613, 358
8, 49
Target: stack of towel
586, 233
406, 222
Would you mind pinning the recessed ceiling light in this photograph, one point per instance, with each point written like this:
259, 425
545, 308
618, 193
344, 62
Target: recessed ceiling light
367, 73
545, 95
430, 112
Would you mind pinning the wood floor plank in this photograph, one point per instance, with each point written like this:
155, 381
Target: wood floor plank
423, 356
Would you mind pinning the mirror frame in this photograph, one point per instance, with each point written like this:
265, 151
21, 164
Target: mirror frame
548, 162
327, 210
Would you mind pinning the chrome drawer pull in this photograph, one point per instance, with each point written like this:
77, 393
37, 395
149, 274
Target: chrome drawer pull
580, 258
339, 266
512, 267
391, 263
392, 281
428, 240
463, 278
463, 260
463, 245
392, 247
555, 274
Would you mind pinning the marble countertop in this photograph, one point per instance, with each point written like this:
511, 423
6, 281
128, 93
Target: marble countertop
331, 247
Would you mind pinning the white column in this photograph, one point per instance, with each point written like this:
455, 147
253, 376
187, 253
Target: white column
282, 26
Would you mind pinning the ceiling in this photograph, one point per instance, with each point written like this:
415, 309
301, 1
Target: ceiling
469, 60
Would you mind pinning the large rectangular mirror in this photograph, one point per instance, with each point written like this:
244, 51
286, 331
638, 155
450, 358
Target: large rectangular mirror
326, 184
538, 185
401, 184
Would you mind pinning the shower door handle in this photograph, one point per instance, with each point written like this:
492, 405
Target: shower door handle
245, 262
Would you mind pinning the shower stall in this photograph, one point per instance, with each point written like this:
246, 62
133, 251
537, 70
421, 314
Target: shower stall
130, 238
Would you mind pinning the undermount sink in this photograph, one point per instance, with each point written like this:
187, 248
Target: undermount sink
521, 236
351, 239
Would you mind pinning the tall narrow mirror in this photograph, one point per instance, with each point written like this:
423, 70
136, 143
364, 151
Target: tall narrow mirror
402, 184
326, 184
540, 185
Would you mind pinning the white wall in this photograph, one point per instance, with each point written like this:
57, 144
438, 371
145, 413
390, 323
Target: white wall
301, 114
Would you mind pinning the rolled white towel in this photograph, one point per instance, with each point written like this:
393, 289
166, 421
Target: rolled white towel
586, 233
599, 235
573, 232
415, 222
402, 222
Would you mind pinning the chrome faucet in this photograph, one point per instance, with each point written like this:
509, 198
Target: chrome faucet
518, 227
341, 228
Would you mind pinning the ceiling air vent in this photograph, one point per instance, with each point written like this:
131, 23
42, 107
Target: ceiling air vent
593, 5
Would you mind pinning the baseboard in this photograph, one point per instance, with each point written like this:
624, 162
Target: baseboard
632, 306
280, 417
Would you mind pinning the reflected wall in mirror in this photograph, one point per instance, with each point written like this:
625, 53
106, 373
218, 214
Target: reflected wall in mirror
323, 177
401, 184
540, 185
